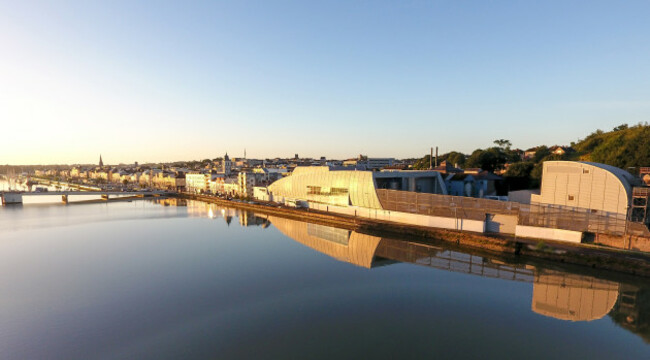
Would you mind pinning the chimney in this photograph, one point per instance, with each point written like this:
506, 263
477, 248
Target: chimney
436, 156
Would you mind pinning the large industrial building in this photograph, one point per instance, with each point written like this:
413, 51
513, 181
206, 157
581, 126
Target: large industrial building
343, 187
576, 198
600, 188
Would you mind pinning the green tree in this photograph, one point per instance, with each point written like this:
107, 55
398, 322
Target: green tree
625, 147
541, 152
621, 127
489, 159
452, 158
503, 143
520, 169
456, 158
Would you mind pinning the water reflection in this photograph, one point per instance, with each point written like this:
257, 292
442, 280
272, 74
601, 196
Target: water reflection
572, 297
213, 211
556, 293
632, 310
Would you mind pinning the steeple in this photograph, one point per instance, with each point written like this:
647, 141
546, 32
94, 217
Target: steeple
101, 163
226, 165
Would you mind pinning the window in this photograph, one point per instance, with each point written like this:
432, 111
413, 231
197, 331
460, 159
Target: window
313, 190
571, 197
585, 171
317, 190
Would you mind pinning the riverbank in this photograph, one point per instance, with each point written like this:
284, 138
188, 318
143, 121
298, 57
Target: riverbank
596, 257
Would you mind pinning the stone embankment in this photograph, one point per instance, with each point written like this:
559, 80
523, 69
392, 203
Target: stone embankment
599, 257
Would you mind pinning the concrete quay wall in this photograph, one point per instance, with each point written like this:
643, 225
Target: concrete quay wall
558, 251
535, 232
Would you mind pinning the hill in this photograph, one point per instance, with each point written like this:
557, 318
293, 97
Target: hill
624, 147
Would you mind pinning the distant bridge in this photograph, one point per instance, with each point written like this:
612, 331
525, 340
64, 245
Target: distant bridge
17, 197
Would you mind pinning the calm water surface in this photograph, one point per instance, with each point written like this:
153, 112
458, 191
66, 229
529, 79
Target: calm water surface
153, 280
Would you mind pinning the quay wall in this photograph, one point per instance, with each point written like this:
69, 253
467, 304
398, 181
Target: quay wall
628, 242
565, 252
548, 234
12, 198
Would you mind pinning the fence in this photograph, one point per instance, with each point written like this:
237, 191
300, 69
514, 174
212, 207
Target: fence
444, 205
576, 219
552, 216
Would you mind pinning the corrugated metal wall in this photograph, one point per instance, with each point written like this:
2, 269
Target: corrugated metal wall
359, 184
582, 185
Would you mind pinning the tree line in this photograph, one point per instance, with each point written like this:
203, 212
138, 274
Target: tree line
626, 147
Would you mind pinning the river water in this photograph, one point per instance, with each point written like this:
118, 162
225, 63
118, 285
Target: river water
175, 279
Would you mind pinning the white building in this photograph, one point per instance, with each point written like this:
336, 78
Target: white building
598, 187
196, 182
321, 184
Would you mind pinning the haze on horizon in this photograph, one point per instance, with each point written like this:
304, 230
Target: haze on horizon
163, 81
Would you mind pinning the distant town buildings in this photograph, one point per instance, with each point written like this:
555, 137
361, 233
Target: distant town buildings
364, 162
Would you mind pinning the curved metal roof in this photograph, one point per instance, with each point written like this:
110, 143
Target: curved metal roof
625, 177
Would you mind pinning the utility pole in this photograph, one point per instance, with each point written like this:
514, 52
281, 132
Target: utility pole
431, 160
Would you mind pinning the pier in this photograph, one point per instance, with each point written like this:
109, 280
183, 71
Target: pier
12, 197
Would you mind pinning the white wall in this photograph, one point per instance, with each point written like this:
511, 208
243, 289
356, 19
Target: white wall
576, 184
405, 218
548, 234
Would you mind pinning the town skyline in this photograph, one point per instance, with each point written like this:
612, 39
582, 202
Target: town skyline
245, 154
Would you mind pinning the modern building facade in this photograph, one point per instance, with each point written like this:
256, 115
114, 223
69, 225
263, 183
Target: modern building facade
597, 187
325, 185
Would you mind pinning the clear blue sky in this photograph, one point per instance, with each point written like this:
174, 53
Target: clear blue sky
163, 81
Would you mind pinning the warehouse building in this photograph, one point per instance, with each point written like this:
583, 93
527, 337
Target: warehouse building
600, 188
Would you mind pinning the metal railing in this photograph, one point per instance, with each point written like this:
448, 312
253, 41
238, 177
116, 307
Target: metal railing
552, 216
575, 219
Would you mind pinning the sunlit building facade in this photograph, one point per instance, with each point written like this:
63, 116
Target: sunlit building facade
598, 187
341, 187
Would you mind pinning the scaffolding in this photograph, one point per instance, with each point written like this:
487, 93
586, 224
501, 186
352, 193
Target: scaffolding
640, 204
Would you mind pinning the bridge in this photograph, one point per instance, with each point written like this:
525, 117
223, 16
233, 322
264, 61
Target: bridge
13, 197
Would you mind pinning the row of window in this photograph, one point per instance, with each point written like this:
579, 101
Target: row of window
317, 190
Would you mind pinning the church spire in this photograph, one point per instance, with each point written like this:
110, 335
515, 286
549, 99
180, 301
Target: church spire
101, 163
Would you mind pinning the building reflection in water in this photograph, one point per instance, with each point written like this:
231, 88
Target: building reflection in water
558, 294
213, 211
572, 297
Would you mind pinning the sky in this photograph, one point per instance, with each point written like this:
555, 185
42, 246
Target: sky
152, 81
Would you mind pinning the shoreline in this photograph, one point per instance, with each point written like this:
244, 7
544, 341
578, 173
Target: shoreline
592, 256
